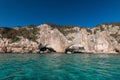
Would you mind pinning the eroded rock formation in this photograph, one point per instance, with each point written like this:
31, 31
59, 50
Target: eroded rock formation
104, 38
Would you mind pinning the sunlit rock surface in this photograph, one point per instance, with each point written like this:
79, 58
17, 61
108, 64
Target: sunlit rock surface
104, 38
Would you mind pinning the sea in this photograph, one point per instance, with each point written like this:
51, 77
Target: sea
56, 66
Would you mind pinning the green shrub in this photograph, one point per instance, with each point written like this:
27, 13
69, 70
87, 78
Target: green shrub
101, 28
62, 28
89, 31
116, 37
113, 23
28, 32
94, 32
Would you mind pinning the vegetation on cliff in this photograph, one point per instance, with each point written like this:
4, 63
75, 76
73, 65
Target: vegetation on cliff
102, 38
116, 36
66, 29
62, 28
14, 34
113, 23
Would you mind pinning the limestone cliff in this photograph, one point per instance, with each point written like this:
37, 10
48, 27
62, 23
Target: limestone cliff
103, 38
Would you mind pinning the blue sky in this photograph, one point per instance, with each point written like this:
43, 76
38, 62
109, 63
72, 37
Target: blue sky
77, 12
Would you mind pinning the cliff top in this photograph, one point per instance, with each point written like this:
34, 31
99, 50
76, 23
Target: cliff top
30, 31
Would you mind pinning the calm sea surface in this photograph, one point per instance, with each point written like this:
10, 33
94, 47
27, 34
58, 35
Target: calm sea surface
59, 66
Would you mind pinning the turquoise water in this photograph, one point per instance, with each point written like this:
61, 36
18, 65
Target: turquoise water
59, 66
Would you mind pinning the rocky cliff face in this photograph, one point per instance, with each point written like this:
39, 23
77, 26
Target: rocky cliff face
104, 38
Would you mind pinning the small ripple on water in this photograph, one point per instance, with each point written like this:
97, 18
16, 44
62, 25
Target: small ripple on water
59, 67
